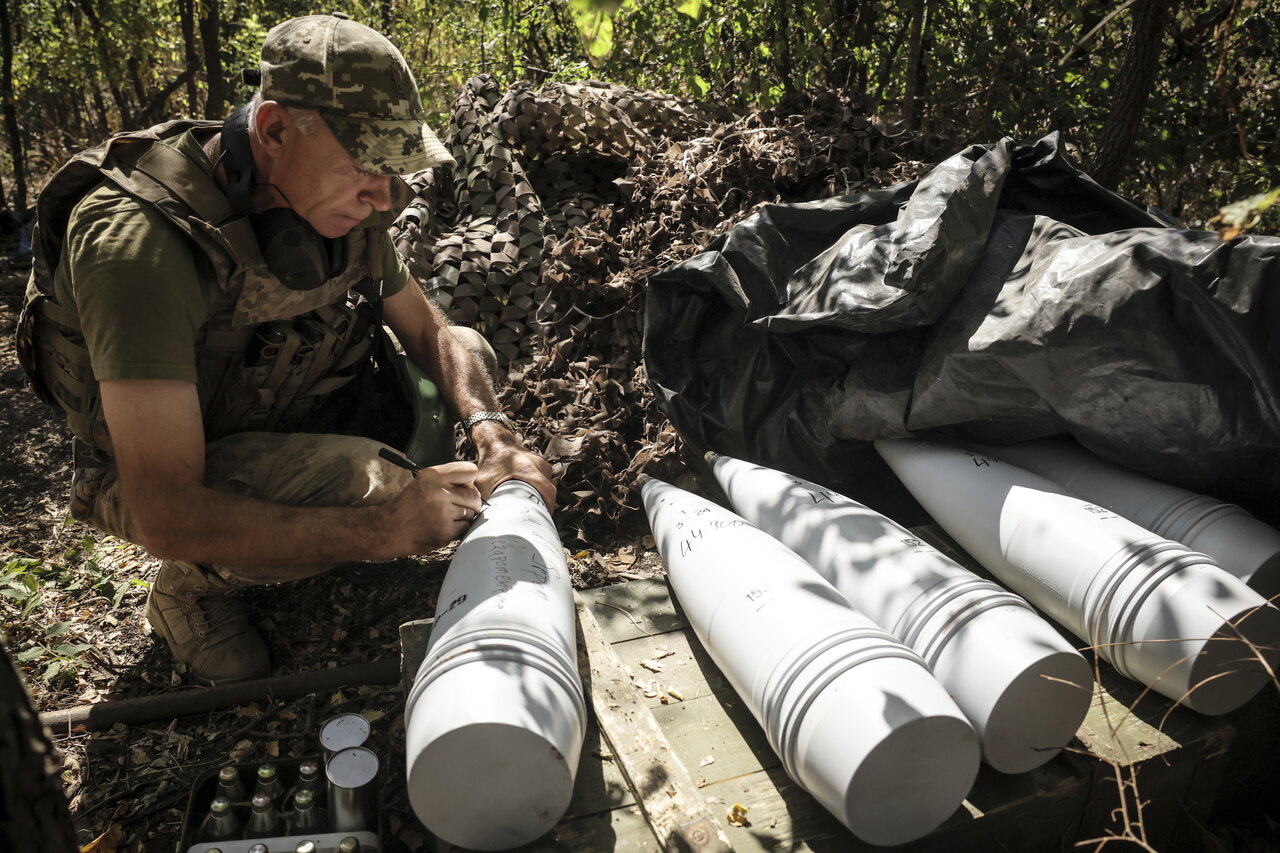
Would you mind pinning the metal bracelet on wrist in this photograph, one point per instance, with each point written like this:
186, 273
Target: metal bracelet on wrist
497, 417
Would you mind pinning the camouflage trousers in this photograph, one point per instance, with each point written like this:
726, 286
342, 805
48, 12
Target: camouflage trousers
296, 469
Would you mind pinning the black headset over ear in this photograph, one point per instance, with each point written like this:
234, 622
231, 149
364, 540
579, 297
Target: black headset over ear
293, 250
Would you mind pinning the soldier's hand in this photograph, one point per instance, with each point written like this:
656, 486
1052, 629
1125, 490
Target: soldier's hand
501, 462
438, 506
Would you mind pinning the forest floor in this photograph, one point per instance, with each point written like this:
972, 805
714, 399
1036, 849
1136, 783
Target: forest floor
74, 615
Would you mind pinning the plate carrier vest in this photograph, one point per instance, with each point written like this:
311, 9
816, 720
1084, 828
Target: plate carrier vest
267, 356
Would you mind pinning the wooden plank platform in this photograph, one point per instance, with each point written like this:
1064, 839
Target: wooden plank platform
1174, 754
664, 711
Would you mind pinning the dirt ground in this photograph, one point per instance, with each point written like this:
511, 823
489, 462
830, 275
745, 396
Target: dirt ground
132, 783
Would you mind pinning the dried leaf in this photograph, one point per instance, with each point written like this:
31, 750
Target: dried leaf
107, 842
737, 815
181, 741
239, 751
647, 687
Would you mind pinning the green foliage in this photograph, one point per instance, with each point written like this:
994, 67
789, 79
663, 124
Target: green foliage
28, 587
20, 582
1236, 218
987, 68
595, 20
58, 660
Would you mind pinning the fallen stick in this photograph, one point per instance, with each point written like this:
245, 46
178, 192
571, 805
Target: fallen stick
184, 703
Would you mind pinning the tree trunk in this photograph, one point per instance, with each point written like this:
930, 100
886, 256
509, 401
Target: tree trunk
1137, 74
864, 32
135, 76
16, 149
852, 24
104, 123
147, 114
187, 19
914, 49
76, 119
843, 20
104, 60
888, 59
211, 41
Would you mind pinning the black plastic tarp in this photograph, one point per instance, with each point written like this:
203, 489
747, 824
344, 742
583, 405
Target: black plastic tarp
1003, 297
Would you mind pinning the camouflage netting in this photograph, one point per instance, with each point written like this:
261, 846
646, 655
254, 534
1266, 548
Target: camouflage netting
563, 203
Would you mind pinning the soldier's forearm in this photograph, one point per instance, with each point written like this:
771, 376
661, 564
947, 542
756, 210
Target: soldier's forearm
209, 526
462, 380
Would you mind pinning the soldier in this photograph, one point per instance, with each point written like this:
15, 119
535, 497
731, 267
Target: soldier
206, 306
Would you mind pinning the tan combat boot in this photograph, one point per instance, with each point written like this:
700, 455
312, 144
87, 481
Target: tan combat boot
205, 625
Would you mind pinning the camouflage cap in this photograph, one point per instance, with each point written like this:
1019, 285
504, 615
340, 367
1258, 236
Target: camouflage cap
359, 83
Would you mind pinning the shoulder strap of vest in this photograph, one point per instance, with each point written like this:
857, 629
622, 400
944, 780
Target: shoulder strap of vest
162, 175
179, 188
189, 197
71, 182
57, 199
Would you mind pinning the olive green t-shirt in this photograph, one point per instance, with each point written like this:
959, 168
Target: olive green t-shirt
142, 288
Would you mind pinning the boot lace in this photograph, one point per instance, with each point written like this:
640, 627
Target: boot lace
217, 616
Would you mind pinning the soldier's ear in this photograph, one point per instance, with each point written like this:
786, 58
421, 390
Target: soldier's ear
273, 126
